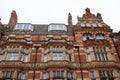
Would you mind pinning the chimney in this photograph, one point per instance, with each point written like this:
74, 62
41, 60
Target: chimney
13, 19
70, 20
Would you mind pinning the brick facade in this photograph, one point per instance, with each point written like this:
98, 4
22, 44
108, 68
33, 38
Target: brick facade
85, 51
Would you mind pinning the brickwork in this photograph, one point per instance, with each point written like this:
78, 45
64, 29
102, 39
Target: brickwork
86, 50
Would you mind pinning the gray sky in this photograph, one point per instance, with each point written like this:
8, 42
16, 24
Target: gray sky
56, 11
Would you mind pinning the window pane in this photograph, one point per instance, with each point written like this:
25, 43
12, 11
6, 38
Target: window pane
89, 57
57, 56
99, 24
82, 24
94, 24
44, 75
45, 58
92, 75
88, 24
12, 56
23, 76
26, 58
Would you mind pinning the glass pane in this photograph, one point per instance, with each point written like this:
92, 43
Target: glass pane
82, 24
99, 24
45, 58
12, 56
89, 57
87, 24
94, 24
92, 74
26, 58
23, 76
44, 75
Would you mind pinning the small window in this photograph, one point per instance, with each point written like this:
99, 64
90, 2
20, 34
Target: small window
99, 24
92, 75
94, 24
88, 24
45, 58
23, 76
89, 57
82, 24
44, 75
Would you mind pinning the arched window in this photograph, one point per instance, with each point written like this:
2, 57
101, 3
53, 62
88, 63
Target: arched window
87, 36
100, 36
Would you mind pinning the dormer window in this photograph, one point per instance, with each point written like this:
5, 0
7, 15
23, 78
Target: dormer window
23, 27
57, 27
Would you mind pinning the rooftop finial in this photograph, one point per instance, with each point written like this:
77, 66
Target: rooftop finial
88, 14
99, 16
87, 10
69, 14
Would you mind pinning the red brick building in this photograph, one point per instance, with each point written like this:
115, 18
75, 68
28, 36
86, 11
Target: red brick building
84, 51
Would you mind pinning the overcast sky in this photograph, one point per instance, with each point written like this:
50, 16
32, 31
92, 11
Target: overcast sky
56, 11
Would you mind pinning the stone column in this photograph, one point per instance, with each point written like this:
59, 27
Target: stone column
51, 75
116, 75
15, 75
65, 74
96, 74
51, 53
19, 53
6, 52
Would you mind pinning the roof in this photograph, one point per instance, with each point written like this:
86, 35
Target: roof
41, 29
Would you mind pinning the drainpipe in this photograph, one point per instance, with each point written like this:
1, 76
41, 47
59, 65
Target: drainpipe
36, 47
81, 70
